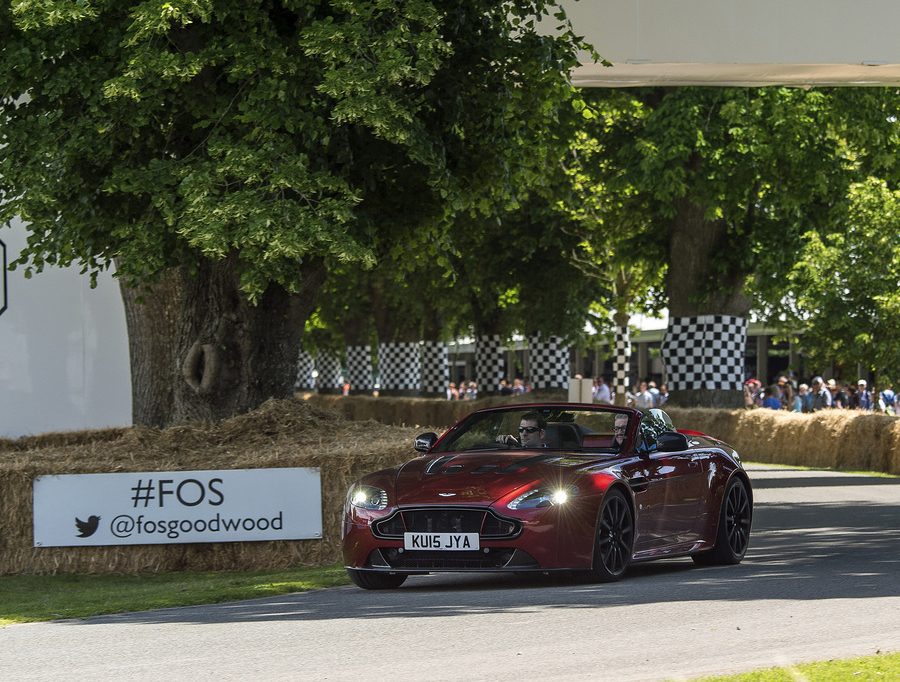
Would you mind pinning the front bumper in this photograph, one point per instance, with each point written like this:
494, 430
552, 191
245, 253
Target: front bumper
544, 539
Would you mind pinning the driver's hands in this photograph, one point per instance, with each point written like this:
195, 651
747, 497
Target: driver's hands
507, 439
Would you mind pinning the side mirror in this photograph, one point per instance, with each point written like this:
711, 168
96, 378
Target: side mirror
671, 441
425, 441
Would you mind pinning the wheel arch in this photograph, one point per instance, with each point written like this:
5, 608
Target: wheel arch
742, 476
745, 479
629, 500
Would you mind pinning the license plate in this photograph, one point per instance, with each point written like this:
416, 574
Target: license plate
450, 542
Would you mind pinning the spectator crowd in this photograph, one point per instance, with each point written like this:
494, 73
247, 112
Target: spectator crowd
783, 394
818, 394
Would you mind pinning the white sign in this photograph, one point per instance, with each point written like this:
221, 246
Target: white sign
156, 507
457, 542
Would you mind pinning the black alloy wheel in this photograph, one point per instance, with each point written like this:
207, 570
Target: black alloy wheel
733, 535
373, 580
615, 538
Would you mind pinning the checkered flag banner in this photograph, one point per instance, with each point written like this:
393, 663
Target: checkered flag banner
359, 368
435, 367
329, 368
705, 352
490, 363
400, 366
621, 361
305, 380
548, 360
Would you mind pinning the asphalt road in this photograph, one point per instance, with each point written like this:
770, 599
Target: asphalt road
821, 580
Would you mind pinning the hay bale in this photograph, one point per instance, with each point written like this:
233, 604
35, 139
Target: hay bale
314, 433
288, 433
840, 439
833, 438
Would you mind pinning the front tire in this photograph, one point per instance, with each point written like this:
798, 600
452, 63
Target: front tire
733, 535
615, 538
371, 580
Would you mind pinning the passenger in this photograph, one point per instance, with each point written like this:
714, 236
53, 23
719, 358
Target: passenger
620, 429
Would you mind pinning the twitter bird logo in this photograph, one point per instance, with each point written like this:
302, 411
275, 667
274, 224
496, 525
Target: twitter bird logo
87, 528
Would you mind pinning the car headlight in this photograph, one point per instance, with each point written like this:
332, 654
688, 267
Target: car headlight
543, 497
368, 497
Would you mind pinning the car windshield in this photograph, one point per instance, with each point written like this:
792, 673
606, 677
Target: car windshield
547, 427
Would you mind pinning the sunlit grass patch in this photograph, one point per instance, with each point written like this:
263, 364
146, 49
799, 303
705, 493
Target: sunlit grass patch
47, 597
864, 669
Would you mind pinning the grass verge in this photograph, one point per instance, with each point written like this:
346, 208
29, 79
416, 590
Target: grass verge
864, 669
28, 598
797, 467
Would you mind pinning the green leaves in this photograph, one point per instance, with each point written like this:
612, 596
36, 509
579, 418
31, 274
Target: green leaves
159, 133
846, 286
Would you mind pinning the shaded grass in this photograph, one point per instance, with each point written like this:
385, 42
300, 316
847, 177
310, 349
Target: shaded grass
866, 668
28, 598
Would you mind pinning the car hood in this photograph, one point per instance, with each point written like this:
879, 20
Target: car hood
485, 477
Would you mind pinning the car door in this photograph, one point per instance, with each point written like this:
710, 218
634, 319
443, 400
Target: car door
668, 492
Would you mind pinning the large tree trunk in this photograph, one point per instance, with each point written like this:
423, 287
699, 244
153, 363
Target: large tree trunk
695, 244
200, 351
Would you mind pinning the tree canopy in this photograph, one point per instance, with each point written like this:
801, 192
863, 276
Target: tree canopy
224, 152
726, 187
844, 288
157, 134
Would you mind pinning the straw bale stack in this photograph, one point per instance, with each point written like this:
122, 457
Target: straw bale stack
841, 439
311, 433
288, 433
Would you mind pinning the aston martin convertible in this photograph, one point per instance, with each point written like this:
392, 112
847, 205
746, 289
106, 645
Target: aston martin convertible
549, 487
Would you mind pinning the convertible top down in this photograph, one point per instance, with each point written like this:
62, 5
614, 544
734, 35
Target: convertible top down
549, 487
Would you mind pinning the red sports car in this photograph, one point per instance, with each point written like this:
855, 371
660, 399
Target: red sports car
549, 487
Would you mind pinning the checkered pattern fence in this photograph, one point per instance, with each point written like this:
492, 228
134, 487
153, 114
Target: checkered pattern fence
400, 366
621, 361
705, 352
490, 363
359, 368
548, 360
329, 368
435, 367
305, 364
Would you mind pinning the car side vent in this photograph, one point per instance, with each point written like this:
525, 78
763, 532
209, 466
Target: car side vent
485, 468
437, 464
453, 469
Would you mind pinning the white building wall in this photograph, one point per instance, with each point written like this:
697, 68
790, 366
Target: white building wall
63, 350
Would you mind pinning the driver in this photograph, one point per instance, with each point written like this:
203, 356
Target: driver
531, 432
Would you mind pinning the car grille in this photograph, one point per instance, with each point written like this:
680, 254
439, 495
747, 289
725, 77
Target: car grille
447, 520
505, 558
